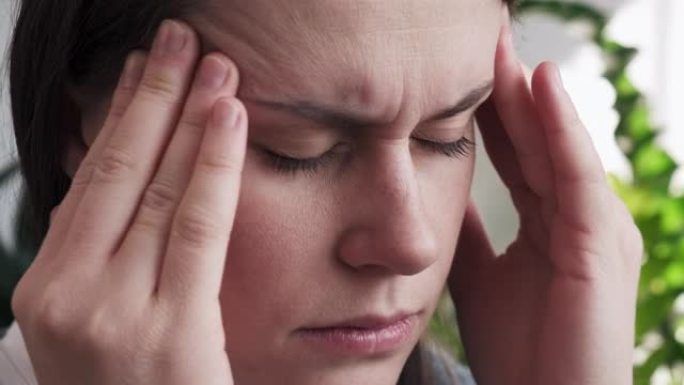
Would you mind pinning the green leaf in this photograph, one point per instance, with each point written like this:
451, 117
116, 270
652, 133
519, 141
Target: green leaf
653, 167
652, 312
624, 86
638, 123
674, 275
672, 217
644, 372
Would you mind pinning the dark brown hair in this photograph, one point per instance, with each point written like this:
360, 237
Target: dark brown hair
84, 43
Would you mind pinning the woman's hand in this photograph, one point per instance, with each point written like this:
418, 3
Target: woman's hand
558, 307
125, 288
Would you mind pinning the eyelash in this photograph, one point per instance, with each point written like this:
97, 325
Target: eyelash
286, 165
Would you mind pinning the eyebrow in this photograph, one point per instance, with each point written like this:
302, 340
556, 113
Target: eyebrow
334, 118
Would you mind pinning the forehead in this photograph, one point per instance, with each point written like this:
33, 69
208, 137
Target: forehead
358, 52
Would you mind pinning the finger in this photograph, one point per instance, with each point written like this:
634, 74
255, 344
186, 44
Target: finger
121, 99
502, 154
473, 253
195, 257
129, 159
516, 108
148, 235
53, 212
535, 213
579, 175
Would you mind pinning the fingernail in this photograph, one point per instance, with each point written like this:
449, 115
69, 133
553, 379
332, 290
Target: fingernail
171, 38
227, 113
213, 73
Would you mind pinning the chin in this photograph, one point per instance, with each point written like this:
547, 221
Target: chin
381, 370
362, 375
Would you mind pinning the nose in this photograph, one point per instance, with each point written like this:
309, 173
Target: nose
389, 229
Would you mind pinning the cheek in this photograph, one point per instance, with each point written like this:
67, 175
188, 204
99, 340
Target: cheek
446, 191
280, 246
282, 269
262, 292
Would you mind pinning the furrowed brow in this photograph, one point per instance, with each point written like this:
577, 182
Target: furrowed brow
338, 119
467, 102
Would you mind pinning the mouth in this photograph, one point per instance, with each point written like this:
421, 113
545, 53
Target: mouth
366, 335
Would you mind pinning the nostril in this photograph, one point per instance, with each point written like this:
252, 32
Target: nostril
416, 254
389, 249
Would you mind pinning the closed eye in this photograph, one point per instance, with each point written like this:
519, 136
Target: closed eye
289, 165
461, 147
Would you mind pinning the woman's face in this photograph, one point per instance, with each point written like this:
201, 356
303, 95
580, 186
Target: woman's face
371, 229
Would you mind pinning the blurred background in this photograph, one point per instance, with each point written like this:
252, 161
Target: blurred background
621, 61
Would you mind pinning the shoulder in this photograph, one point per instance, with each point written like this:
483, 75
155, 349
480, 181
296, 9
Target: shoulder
15, 364
446, 369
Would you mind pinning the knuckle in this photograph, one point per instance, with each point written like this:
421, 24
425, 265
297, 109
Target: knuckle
575, 123
102, 331
631, 238
83, 174
159, 86
54, 319
193, 121
125, 91
634, 243
18, 302
113, 165
160, 197
147, 224
219, 164
119, 106
194, 227
25, 295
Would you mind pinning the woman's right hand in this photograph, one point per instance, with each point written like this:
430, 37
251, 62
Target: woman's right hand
125, 288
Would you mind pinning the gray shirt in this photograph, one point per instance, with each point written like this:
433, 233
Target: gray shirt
447, 371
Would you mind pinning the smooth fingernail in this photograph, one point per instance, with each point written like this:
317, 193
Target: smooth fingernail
213, 73
171, 38
227, 113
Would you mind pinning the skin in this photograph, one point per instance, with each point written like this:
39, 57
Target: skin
160, 297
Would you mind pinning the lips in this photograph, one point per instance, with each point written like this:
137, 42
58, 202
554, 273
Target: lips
362, 336
371, 321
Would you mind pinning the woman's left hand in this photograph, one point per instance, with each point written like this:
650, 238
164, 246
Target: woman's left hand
558, 307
